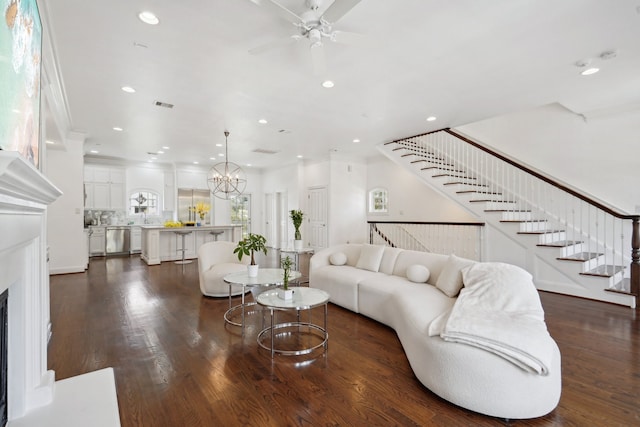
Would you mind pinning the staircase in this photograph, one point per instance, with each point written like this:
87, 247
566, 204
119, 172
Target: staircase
571, 244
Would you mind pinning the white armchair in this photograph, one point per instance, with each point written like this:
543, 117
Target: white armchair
216, 260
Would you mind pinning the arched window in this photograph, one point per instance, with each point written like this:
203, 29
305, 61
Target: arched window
143, 202
379, 201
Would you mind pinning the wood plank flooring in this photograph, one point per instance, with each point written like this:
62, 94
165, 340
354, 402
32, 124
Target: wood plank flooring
177, 364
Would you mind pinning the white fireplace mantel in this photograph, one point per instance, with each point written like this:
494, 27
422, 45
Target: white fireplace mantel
24, 196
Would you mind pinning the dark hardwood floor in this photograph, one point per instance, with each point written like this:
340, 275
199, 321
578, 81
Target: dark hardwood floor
177, 364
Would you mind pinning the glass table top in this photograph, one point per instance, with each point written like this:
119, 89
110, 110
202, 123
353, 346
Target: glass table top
266, 276
303, 298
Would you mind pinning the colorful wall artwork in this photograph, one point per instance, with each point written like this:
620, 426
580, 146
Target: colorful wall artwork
20, 59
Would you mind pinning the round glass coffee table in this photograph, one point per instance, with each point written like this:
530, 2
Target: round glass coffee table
265, 277
303, 299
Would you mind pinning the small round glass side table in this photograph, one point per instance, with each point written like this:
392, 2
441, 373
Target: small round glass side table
265, 277
303, 299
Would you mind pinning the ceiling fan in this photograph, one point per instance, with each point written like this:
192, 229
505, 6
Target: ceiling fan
314, 26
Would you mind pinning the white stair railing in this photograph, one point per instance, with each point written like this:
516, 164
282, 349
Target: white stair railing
463, 239
561, 215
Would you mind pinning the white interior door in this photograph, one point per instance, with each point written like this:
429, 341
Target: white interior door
318, 212
269, 223
282, 217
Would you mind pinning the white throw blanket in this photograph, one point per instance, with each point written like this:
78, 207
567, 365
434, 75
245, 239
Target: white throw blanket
499, 310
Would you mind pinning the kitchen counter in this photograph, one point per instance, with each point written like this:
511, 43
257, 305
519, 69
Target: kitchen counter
160, 243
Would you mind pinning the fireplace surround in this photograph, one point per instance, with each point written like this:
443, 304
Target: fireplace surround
24, 196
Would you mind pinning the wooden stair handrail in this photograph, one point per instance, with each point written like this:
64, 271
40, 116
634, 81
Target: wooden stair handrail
477, 224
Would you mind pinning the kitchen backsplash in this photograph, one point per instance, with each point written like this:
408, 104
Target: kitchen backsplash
106, 217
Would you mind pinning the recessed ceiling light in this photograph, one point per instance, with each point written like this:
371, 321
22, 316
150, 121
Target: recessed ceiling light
221, 155
263, 121
49, 142
431, 118
128, 89
165, 148
299, 156
148, 18
195, 163
212, 158
154, 158
160, 152
327, 84
590, 71
117, 129
356, 140
94, 151
218, 145
249, 164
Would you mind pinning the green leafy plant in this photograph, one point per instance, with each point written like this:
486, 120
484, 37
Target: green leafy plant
286, 264
296, 217
250, 244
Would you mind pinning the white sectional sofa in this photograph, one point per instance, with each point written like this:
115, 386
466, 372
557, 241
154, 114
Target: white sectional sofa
373, 281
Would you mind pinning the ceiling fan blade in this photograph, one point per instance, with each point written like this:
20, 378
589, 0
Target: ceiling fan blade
280, 10
318, 60
274, 45
338, 9
348, 38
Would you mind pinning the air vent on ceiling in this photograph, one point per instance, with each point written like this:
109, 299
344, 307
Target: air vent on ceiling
152, 154
163, 104
264, 151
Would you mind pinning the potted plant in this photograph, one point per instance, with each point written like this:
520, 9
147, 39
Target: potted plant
247, 246
284, 292
296, 217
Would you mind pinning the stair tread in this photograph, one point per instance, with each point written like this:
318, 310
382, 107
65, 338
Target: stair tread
582, 256
604, 270
524, 220
495, 193
541, 232
560, 243
491, 200
624, 284
504, 210
465, 183
440, 175
441, 168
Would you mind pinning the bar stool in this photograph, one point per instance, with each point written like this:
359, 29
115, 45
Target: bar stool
183, 233
216, 233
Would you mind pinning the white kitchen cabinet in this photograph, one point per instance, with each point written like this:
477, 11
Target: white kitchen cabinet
136, 240
104, 188
97, 242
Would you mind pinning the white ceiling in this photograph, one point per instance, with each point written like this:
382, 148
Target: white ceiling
462, 61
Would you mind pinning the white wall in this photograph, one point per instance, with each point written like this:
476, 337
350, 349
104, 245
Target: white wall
599, 156
347, 202
410, 199
65, 216
286, 180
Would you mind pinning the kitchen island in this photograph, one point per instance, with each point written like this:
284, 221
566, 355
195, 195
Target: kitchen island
161, 243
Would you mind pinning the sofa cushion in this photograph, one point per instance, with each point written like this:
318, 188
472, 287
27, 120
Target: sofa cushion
374, 295
389, 257
450, 279
341, 282
418, 273
338, 258
370, 257
407, 258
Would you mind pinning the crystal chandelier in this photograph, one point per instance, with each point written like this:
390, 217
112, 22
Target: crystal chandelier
226, 180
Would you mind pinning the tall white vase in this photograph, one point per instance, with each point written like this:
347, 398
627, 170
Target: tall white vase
252, 270
297, 245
